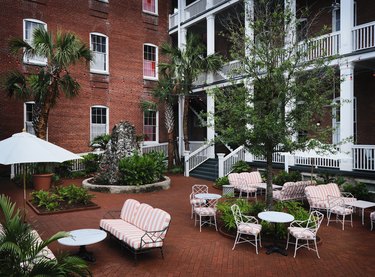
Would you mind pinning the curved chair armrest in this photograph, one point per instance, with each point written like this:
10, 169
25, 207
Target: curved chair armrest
334, 201
347, 194
249, 219
150, 237
298, 223
112, 214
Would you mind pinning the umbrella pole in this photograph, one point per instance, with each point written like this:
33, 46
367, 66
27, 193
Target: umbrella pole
24, 196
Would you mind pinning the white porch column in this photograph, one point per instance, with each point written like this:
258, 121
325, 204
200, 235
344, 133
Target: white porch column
346, 25
291, 36
346, 111
249, 17
210, 96
181, 147
209, 4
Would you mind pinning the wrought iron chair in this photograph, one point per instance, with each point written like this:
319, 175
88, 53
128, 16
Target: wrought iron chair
196, 201
305, 230
206, 212
247, 226
336, 205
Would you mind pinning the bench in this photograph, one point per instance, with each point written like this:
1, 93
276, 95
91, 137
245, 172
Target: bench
139, 228
292, 191
245, 182
317, 196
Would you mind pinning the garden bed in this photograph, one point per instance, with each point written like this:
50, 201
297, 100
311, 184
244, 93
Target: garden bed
64, 208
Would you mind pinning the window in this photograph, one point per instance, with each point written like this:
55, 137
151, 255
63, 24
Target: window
99, 121
28, 117
336, 25
29, 26
150, 60
99, 48
150, 6
150, 126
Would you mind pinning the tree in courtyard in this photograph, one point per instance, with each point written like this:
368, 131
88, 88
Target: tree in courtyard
22, 254
165, 93
183, 68
284, 92
47, 82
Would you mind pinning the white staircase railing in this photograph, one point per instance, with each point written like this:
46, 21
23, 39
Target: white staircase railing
196, 158
226, 163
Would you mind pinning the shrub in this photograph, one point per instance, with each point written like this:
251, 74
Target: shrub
177, 170
358, 189
91, 162
241, 166
45, 199
246, 208
283, 177
100, 142
222, 181
74, 194
139, 170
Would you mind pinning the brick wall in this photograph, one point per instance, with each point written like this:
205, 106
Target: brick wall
127, 28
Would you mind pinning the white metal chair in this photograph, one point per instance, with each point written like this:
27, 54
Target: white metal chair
246, 226
206, 212
196, 201
372, 219
336, 205
305, 230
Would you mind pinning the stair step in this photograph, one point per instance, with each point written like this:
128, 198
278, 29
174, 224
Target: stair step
207, 170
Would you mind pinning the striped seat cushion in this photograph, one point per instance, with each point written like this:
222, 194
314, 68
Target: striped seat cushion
341, 210
301, 233
248, 188
197, 201
249, 228
128, 233
129, 210
205, 211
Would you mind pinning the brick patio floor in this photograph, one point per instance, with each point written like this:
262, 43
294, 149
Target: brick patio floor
191, 253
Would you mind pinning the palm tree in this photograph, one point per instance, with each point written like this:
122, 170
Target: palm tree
164, 92
46, 84
20, 249
184, 67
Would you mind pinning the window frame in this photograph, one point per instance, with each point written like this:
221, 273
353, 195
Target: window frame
156, 141
25, 121
106, 124
30, 60
156, 62
100, 71
149, 12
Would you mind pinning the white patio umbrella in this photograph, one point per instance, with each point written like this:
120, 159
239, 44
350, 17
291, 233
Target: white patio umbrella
26, 148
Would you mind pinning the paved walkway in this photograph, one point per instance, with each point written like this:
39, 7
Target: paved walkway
191, 253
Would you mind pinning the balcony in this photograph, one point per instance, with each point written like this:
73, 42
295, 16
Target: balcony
195, 9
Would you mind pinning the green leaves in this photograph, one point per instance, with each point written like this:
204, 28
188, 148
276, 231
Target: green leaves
139, 170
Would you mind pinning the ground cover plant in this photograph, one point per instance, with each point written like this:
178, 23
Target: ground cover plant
62, 198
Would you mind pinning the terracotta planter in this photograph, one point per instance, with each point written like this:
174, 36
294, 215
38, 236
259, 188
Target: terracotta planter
42, 181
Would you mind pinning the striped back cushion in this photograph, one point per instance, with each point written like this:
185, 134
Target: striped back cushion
288, 190
157, 220
322, 191
142, 217
251, 177
129, 210
300, 187
234, 179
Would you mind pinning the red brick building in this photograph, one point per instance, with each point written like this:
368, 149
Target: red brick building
124, 37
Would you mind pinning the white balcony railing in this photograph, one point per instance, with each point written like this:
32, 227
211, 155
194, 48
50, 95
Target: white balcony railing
195, 8
364, 36
318, 162
160, 147
323, 46
363, 157
173, 20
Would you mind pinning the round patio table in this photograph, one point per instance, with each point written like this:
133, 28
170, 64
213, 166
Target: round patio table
81, 238
275, 217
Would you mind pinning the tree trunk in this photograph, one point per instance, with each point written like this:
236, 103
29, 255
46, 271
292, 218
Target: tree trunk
185, 123
169, 124
269, 195
41, 126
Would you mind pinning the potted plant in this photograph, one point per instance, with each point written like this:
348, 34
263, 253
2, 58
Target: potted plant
42, 177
